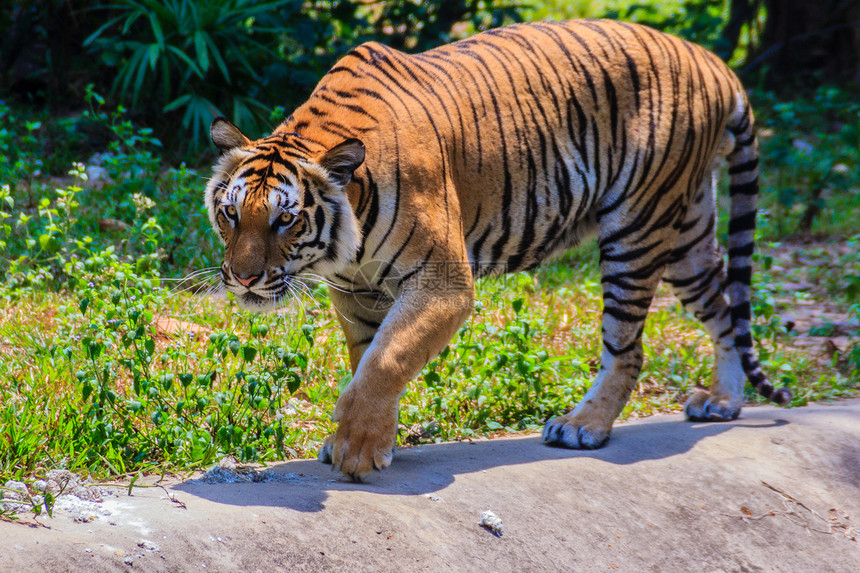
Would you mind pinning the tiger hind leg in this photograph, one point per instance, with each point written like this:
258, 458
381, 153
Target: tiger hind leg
697, 276
632, 263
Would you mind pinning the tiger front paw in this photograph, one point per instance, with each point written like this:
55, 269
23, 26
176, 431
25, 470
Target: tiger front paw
364, 439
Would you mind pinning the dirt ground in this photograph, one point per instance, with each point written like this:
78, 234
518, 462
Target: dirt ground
776, 490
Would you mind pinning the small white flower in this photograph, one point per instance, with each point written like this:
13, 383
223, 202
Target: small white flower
142, 202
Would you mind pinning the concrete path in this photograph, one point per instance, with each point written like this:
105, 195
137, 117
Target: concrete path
664, 495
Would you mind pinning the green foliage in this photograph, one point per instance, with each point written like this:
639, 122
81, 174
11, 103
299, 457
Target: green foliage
420, 26
131, 401
200, 58
121, 190
491, 378
810, 149
700, 21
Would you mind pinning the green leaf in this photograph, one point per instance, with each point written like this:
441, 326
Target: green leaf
49, 503
101, 29
344, 381
517, 304
132, 482
182, 56
153, 53
432, 378
202, 52
216, 53
156, 29
248, 353
293, 382
177, 103
308, 331
167, 381
140, 77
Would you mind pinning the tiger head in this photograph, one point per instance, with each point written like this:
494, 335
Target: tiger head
279, 205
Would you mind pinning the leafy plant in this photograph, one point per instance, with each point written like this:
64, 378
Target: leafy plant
200, 58
809, 150
419, 26
700, 21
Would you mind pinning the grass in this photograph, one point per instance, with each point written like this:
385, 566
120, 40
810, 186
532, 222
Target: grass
113, 363
105, 387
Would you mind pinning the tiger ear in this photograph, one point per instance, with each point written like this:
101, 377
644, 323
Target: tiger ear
226, 136
342, 160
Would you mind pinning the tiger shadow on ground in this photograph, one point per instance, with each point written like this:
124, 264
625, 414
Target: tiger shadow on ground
431, 468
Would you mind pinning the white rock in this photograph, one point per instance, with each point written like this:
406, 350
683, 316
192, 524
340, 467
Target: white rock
492, 522
19, 490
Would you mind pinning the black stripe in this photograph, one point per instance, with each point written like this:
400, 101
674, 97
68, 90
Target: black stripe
367, 322
741, 311
742, 251
741, 223
743, 167
743, 341
725, 333
741, 275
623, 315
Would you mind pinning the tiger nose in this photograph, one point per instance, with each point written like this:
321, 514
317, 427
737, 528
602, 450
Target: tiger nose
247, 280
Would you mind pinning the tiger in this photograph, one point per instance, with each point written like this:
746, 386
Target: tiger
404, 178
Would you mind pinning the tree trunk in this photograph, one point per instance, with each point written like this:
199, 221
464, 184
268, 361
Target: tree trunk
742, 13
806, 43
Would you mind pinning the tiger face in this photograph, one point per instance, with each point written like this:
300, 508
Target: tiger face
281, 209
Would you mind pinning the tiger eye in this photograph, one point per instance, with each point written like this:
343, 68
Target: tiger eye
231, 210
285, 218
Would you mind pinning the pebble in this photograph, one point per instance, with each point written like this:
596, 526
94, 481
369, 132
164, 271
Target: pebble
17, 486
492, 522
40, 485
148, 545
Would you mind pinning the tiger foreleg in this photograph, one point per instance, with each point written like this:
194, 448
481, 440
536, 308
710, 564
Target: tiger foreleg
416, 328
360, 315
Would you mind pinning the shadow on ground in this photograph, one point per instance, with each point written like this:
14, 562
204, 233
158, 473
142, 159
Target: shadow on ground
430, 468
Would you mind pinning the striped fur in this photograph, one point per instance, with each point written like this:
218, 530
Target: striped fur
404, 178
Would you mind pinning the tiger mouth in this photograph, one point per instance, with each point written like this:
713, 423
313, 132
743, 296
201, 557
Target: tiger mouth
254, 299
251, 300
